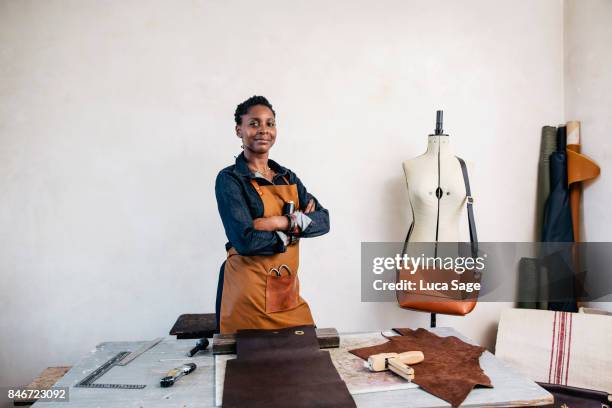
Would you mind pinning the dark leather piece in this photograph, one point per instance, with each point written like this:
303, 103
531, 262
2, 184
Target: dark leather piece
573, 397
281, 368
273, 345
557, 213
194, 326
548, 144
450, 369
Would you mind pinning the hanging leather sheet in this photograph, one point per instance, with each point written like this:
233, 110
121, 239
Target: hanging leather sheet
580, 168
450, 370
558, 216
281, 368
548, 145
557, 213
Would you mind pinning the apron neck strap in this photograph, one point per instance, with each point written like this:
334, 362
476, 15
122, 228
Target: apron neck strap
254, 183
259, 190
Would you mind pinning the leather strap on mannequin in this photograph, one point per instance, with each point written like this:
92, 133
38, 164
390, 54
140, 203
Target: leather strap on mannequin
470, 210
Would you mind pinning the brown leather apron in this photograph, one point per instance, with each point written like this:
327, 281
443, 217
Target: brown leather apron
263, 291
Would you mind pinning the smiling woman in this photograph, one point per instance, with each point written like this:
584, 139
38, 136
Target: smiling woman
258, 283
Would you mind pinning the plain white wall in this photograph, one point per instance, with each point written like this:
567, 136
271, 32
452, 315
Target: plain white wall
116, 116
588, 98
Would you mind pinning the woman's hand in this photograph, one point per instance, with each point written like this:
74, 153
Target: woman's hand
279, 222
275, 223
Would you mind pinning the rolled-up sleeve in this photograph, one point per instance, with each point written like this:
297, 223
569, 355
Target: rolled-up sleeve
238, 222
319, 224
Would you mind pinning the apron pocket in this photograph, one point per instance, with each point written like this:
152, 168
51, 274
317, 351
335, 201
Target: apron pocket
282, 291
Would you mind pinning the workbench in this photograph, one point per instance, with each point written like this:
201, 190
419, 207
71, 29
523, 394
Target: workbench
197, 389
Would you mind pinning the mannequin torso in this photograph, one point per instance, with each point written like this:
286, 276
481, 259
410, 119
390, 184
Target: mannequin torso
422, 174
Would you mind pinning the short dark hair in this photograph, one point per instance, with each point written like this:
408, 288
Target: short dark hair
243, 108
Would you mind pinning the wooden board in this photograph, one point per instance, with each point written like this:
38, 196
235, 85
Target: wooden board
226, 343
44, 381
194, 326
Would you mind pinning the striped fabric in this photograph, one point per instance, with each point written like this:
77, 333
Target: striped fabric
560, 351
572, 349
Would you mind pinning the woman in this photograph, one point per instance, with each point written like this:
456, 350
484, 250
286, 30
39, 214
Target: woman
258, 285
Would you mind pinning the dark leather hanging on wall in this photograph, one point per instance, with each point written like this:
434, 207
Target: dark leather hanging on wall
558, 225
533, 280
548, 145
451, 367
557, 213
283, 368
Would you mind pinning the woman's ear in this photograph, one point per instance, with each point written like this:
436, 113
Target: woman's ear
238, 131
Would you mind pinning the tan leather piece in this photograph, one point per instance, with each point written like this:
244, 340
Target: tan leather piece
579, 168
245, 282
451, 367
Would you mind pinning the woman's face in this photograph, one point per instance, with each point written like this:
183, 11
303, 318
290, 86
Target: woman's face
258, 129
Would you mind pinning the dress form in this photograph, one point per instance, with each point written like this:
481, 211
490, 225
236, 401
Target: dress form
422, 181
436, 191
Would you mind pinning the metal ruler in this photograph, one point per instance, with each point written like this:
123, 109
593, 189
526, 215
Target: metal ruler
89, 381
131, 356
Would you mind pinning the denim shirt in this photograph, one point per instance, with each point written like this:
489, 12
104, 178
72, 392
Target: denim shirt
239, 204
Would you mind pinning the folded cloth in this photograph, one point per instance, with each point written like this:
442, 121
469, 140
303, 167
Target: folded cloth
282, 368
450, 369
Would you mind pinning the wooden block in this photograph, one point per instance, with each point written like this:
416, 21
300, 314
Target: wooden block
194, 326
226, 343
44, 381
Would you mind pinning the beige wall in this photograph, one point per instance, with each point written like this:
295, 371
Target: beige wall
116, 116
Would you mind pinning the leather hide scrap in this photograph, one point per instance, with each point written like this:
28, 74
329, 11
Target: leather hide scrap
450, 370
